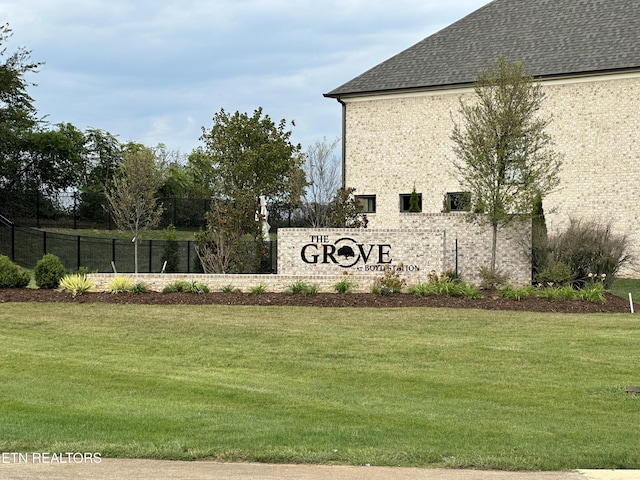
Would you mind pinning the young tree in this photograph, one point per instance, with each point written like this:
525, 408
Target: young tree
132, 195
504, 155
323, 175
345, 211
414, 202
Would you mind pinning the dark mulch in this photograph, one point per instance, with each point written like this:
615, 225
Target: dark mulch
613, 304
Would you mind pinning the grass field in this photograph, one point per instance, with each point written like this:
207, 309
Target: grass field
460, 388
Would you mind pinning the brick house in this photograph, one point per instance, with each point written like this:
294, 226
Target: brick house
399, 115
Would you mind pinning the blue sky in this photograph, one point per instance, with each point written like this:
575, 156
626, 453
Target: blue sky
156, 71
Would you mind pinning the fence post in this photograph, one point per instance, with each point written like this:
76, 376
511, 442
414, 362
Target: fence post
75, 210
188, 256
13, 242
44, 242
113, 250
150, 256
78, 251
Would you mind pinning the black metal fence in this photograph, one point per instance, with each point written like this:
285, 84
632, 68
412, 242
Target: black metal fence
88, 210
25, 246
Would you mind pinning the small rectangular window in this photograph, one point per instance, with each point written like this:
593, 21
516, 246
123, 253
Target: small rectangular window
458, 201
405, 202
367, 203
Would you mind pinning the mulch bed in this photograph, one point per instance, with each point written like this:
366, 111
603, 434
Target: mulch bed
613, 304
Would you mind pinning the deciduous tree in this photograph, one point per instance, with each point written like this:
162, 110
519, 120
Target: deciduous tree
322, 171
132, 195
504, 154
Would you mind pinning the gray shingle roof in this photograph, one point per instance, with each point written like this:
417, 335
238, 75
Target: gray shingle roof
551, 38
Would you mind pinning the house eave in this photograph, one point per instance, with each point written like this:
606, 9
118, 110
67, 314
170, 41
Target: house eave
548, 78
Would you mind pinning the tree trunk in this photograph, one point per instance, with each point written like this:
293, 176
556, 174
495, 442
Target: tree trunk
494, 244
135, 253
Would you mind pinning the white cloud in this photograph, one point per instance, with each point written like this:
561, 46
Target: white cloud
155, 71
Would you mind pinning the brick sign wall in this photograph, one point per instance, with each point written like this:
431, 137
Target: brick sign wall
427, 242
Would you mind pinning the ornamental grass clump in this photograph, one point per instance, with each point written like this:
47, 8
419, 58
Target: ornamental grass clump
344, 286
181, 286
301, 288
75, 284
516, 293
446, 284
258, 289
120, 285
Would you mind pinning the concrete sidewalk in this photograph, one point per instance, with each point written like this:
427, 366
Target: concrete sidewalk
110, 469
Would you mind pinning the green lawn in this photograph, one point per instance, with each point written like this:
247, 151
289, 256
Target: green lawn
436, 387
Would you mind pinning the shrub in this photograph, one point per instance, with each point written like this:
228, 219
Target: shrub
171, 248
492, 279
389, 283
48, 272
344, 286
590, 247
301, 287
120, 284
75, 284
556, 273
11, 275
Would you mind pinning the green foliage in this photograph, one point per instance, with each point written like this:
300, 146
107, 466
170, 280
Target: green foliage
258, 289
516, 293
556, 273
120, 284
539, 238
11, 275
301, 288
230, 289
446, 284
75, 284
181, 286
140, 287
344, 286
590, 248
491, 278
345, 211
504, 155
170, 254
49, 271
230, 244
252, 155
592, 292
389, 283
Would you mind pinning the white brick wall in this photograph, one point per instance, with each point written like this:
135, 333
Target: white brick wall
397, 141
424, 242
